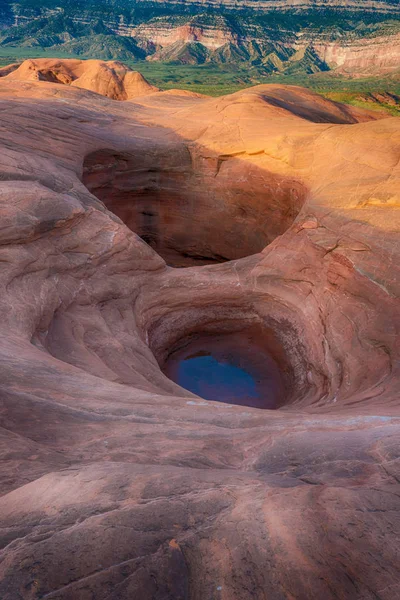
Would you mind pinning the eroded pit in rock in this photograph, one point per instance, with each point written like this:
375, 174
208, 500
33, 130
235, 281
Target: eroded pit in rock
230, 368
193, 210
243, 360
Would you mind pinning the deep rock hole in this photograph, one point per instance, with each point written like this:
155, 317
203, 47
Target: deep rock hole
193, 217
231, 355
189, 219
231, 368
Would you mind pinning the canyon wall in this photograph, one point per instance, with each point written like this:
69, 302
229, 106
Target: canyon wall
163, 35
369, 56
360, 38
380, 55
389, 6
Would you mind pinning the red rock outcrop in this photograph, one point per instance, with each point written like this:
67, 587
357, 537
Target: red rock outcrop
161, 35
112, 79
367, 56
353, 56
117, 483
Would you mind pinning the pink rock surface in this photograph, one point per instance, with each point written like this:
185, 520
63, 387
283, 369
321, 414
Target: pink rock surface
112, 79
117, 483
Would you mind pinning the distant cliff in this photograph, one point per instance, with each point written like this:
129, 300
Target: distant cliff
297, 36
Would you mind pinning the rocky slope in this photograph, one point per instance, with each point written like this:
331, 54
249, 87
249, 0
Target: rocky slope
273, 41
346, 54
115, 482
379, 55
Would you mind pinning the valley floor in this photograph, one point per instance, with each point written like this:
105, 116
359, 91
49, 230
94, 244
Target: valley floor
374, 93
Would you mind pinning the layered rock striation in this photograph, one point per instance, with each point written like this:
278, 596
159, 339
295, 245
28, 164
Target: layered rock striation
116, 482
194, 42
361, 38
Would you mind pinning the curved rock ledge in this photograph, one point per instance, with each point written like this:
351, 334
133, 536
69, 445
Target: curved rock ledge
119, 484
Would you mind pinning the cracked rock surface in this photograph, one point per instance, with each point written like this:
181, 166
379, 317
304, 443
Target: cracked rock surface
127, 226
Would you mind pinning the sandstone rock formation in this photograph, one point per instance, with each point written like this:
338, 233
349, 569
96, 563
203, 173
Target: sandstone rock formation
355, 56
356, 39
365, 56
117, 483
112, 79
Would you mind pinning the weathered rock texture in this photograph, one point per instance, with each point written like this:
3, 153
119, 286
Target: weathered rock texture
268, 39
356, 56
378, 55
118, 484
112, 79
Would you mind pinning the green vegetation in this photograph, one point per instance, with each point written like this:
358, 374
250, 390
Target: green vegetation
388, 102
13, 55
216, 80
212, 80
373, 93
255, 44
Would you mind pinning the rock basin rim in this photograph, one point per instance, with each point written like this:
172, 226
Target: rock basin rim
282, 207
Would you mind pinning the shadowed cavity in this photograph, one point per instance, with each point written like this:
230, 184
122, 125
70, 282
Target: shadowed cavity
194, 211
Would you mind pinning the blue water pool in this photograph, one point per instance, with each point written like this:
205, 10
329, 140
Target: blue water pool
233, 368
215, 379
